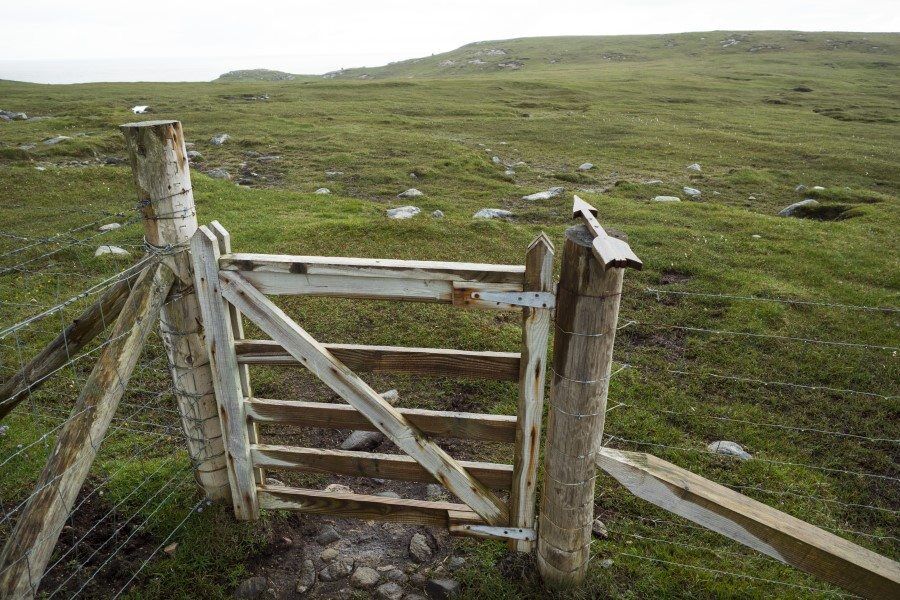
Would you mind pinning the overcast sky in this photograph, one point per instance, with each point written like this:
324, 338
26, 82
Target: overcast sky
207, 36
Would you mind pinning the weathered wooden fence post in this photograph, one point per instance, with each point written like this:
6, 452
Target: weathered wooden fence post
587, 307
162, 175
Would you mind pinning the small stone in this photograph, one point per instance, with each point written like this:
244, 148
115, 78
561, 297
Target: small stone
818, 188
606, 563
109, 227
751, 197
729, 449
271, 481
338, 488
384, 568
438, 214
419, 548
586, 166
55, 140
496, 160
112, 251
692, 192
599, 529
396, 575
339, 568
27, 147
369, 558
171, 548
434, 491
791, 210
455, 562
694, 167
332, 174
388, 494
442, 589
3, 430
800, 188
140, 110
194, 156
410, 193
114, 160
322, 191
551, 193
666, 199
509, 173
492, 213
329, 554
362, 440
327, 535
219, 139
389, 591
653, 182
218, 174
365, 578
403, 212
756, 236
307, 577
252, 589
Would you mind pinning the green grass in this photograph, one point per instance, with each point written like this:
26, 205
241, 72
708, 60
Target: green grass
639, 108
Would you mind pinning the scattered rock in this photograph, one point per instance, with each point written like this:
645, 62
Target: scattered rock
219, 174
109, 227
818, 188
339, 568
219, 139
141, 109
434, 491
496, 160
692, 192
268, 159
389, 591
274, 482
509, 173
307, 577
171, 548
322, 191
3, 430
112, 251
367, 440
27, 147
365, 578
114, 160
404, 212
252, 589
666, 199
195, 156
586, 166
606, 563
369, 558
756, 236
800, 188
694, 167
802, 88
419, 548
388, 494
791, 210
329, 554
653, 182
338, 488
511, 64
410, 193
492, 213
55, 140
438, 214
327, 535
551, 193
330, 174
8, 115
599, 529
442, 589
456, 562
729, 449
446, 63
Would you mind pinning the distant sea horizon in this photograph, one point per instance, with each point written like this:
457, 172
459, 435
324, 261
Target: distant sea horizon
165, 69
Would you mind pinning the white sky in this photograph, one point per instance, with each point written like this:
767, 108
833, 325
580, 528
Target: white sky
314, 37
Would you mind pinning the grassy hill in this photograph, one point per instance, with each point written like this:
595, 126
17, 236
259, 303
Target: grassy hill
761, 116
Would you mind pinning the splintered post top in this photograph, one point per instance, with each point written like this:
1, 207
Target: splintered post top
610, 251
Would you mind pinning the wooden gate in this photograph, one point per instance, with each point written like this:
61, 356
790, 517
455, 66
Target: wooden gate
230, 285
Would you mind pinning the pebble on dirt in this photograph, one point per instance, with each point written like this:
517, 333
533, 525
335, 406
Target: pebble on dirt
365, 578
389, 591
419, 548
339, 568
252, 589
327, 535
307, 577
442, 589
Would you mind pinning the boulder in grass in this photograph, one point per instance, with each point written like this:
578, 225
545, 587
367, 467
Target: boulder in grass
793, 209
492, 213
219, 174
410, 193
692, 192
403, 212
586, 166
109, 227
195, 156
666, 199
55, 140
551, 193
322, 191
419, 548
219, 139
114, 251
729, 449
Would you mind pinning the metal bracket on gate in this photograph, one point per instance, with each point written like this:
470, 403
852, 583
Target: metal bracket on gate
517, 299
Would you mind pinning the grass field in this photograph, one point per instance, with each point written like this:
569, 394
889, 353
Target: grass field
639, 108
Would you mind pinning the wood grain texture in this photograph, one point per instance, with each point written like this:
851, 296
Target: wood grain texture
533, 367
437, 423
71, 340
281, 328
744, 520
219, 337
586, 314
361, 506
439, 362
368, 464
162, 178
373, 267
29, 547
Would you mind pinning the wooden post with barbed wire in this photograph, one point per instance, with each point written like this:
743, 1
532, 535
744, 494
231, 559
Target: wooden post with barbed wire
159, 163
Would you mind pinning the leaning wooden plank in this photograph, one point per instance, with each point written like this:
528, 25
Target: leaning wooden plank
372, 288
487, 532
438, 423
535, 333
407, 437
78, 334
361, 506
754, 524
368, 464
219, 338
31, 543
373, 267
440, 362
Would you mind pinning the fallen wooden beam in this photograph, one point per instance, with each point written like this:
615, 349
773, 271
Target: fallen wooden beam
362, 506
78, 334
754, 524
439, 362
31, 543
426, 270
437, 423
407, 437
368, 464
